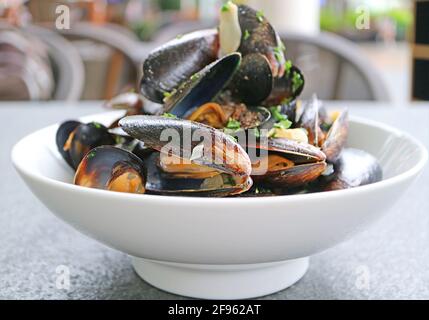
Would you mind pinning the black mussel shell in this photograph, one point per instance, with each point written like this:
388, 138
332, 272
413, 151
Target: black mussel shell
167, 67
203, 86
87, 137
63, 134
111, 168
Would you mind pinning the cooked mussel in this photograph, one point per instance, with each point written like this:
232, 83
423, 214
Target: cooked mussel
111, 168
353, 168
167, 67
247, 31
191, 150
75, 139
285, 163
336, 137
203, 86
62, 136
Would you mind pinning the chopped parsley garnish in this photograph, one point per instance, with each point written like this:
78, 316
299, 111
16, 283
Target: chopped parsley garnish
297, 81
246, 35
166, 94
283, 124
259, 190
256, 132
97, 125
91, 155
225, 7
260, 16
179, 36
233, 124
195, 77
169, 115
288, 67
275, 112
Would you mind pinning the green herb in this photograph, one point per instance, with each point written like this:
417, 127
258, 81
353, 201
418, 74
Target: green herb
246, 35
195, 77
166, 94
256, 132
288, 67
91, 155
283, 124
275, 112
97, 125
179, 36
233, 124
297, 81
229, 180
169, 115
260, 190
260, 16
225, 7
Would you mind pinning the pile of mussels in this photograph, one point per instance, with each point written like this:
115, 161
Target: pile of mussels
232, 85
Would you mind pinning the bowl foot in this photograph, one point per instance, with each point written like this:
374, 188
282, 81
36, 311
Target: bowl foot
221, 281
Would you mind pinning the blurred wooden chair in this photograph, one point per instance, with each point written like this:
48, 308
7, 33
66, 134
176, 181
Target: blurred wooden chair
126, 51
334, 68
67, 64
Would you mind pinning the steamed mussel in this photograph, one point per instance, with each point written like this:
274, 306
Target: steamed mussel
227, 122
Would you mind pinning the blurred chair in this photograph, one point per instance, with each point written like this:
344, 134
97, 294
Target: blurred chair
124, 60
25, 67
334, 68
67, 65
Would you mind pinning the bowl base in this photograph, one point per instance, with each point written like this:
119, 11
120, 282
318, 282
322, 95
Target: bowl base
221, 281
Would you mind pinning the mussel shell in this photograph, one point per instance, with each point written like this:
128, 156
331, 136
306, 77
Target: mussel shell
62, 135
309, 163
262, 38
101, 166
253, 82
295, 176
353, 168
309, 120
337, 137
87, 137
203, 86
283, 87
183, 138
298, 152
167, 67
159, 182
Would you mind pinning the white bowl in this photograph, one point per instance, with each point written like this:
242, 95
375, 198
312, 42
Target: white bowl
229, 247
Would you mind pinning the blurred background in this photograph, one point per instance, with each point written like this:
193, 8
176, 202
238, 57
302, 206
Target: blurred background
347, 49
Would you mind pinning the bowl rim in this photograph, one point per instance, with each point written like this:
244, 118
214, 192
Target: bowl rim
411, 172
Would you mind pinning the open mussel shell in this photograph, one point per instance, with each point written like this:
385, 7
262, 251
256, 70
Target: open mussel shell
62, 135
259, 36
86, 137
287, 87
336, 137
309, 120
253, 82
353, 168
203, 86
168, 66
220, 185
111, 168
296, 163
201, 144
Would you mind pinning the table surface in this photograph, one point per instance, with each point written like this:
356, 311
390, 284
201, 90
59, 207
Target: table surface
387, 261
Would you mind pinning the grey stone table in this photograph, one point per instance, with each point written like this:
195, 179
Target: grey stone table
389, 260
